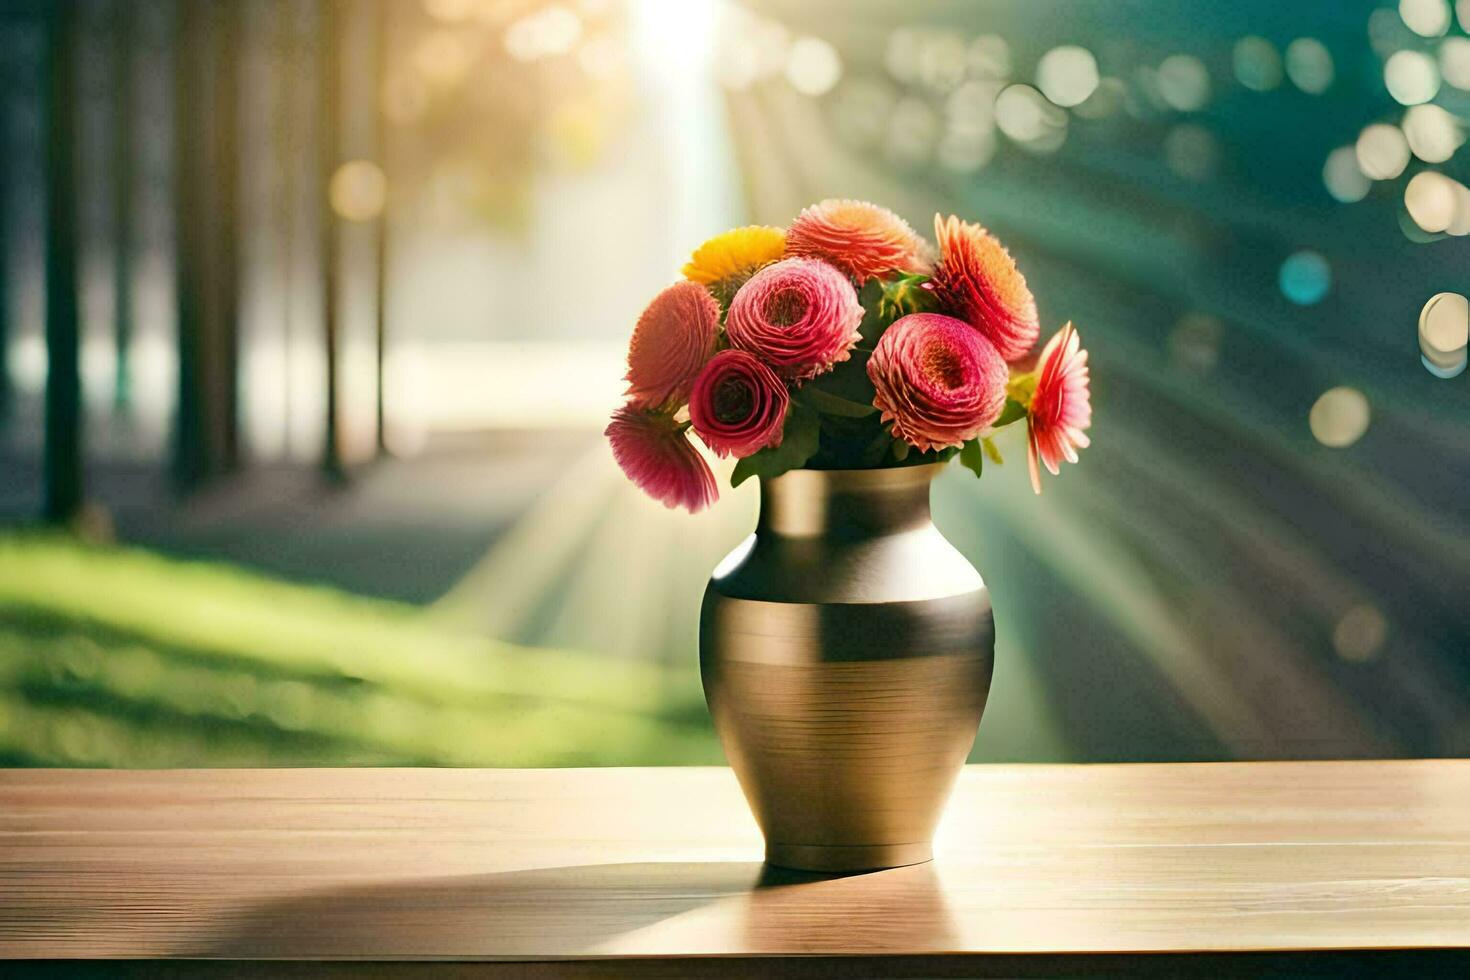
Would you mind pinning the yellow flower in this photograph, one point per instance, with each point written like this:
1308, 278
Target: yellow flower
724, 262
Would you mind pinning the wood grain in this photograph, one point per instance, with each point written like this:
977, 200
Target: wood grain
624, 865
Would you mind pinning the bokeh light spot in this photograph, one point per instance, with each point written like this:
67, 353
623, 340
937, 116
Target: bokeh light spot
1433, 134
1194, 344
1309, 65
971, 107
989, 58
1360, 633
358, 190
1257, 65
1339, 417
1427, 18
1382, 151
552, 30
1105, 100
1305, 277
813, 66
965, 151
1454, 61
1183, 82
1067, 75
1432, 200
1411, 77
901, 54
1025, 115
1444, 334
1343, 177
942, 61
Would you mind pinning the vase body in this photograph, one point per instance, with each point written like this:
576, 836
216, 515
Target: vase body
846, 650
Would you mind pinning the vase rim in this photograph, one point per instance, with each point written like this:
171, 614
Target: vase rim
894, 474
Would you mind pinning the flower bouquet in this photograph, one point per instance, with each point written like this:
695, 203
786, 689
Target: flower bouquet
846, 647
845, 342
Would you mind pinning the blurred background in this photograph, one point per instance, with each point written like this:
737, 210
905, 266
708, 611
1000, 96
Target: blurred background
313, 310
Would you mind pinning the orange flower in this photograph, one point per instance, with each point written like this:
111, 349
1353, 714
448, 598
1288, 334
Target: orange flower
977, 280
674, 337
862, 239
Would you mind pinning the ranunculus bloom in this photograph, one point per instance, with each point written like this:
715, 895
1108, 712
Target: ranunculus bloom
861, 239
938, 381
800, 316
674, 337
977, 280
738, 405
1061, 407
658, 457
725, 262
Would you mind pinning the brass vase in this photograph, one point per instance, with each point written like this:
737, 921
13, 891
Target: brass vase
846, 649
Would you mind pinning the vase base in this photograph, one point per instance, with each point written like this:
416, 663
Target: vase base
847, 857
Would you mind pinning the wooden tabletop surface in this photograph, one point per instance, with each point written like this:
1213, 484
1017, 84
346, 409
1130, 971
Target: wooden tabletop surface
618, 866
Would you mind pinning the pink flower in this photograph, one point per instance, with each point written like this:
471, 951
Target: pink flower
939, 382
861, 239
977, 280
800, 316
1061, 406
654, 453
674, 337
738, 405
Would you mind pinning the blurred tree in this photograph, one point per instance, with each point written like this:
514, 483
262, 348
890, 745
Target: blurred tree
63, 451
380, 271
228, 40
329, 72
206, 173
7, 150
122, 198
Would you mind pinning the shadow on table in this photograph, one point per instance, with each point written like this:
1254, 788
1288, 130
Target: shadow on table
600, 909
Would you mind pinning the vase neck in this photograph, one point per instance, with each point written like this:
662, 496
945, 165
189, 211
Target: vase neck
846, 503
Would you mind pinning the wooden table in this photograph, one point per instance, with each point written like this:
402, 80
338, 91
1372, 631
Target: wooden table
1172, 869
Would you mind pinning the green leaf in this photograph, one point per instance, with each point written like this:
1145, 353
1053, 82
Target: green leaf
900, 450
972, 457
874, 451
1013, 412
848, 380
904, 295
799, 442
992, 452
830, 404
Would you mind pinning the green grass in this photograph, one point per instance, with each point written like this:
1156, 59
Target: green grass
119, 657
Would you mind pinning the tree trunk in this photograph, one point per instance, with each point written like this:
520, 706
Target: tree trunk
63, 451
328, 142
122, 202
7, 150
206, 178
225, 275
380, 271
193, 452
